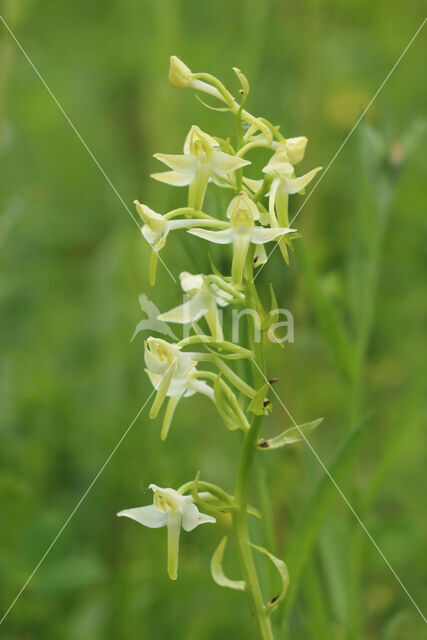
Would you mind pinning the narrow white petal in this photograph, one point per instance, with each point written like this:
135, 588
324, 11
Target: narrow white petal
223, 164
219, 237
294, 185
199, 386
261, 236
181, 163
148, 516
191, 311
174, 178
192, 517
254, 185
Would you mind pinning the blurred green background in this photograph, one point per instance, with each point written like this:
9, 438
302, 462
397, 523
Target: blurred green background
72, 265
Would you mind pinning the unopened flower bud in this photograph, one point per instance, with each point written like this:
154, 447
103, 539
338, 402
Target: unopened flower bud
295, 148
179, 74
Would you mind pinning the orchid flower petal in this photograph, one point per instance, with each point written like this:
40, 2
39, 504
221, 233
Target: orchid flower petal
294, 185
223, 164
181, 163
174, 178
261, 236
225, 236
200, 386
192, 518
190, 311
148, 516
254, 185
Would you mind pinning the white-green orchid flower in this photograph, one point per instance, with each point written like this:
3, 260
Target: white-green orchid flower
242, 230
284, 182
172, 510
201, 162
174, 375
205, 298
156, 228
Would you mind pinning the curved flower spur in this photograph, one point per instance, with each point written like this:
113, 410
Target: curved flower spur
174, 369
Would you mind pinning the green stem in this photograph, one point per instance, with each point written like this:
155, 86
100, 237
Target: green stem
240, 522
240, 519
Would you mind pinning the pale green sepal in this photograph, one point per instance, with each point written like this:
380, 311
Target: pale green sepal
294, 434
218, 572
296, 185
284, 575
257, 405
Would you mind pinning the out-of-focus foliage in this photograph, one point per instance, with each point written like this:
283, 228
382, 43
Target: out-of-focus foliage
72, 265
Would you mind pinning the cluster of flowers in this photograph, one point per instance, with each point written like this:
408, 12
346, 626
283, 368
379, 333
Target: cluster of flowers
174, 372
